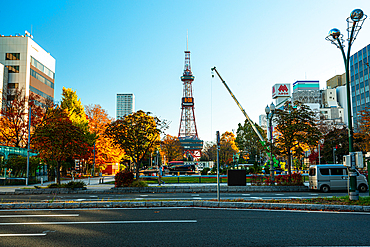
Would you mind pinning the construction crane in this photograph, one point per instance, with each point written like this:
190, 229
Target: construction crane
262, 140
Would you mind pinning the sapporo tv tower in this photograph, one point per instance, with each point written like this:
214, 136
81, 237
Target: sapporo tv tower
188, 134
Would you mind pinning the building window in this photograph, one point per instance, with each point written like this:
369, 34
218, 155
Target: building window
42, 68
12, 56
367, 99
12, 85
13, 69
42, 79
10, 97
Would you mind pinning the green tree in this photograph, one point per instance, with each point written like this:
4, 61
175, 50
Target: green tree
138, 134
18, 164
57, 139
296, 130
335, 139
248, 141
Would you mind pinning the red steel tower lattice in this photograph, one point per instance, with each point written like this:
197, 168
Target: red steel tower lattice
188, 134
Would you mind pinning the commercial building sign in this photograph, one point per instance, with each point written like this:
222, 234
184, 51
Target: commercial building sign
280, 90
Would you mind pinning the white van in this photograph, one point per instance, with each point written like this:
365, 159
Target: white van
333, 177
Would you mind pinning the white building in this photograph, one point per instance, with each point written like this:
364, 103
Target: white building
30, 67
330, 108
125, 104
3, 84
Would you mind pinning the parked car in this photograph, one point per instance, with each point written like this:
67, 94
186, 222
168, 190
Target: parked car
333, 177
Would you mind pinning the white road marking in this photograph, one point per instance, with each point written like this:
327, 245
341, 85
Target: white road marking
256, 198
100, 222
93, 196
143, 195
195, 195
42, 215
279, 194
314, 194
246, 194
80, 200
22, 234
294, 197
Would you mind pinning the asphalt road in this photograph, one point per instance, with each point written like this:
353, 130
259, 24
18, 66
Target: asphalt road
182, 227
167, 196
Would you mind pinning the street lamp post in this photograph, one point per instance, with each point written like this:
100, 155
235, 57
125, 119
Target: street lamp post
270, 114
354, 24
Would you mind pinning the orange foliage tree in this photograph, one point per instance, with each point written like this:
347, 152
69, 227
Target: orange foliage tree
171, 148
105, 149
14, 117
57, 138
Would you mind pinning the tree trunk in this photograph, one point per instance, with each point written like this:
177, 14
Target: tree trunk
289, 164
58, 172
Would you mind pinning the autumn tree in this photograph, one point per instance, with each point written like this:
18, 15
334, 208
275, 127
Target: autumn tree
14, 117
171, 148
57, 139
74, 108
363, 134
105, 149
138, 134
209, 152
228, 148
296, 130
247, 140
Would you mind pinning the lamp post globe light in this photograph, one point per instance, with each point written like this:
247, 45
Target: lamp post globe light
270, 114
354, 24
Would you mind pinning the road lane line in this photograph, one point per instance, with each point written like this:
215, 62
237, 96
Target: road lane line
22, 234
100, 222
35, 215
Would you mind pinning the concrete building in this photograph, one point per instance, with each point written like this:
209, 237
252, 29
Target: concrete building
29, 66
330, 109
125, 104
336, 81
307, 92
3, 84
359, 77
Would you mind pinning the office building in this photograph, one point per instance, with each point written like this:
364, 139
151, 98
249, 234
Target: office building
359, 67
29, 67
307, 92
336, 81
125, 104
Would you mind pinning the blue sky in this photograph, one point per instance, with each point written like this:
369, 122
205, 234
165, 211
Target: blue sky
107, 47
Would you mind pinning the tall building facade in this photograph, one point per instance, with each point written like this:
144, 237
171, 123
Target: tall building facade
29, 67
125, 104
336, 81
359, 67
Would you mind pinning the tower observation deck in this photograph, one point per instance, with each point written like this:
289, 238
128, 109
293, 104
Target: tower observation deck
188, 134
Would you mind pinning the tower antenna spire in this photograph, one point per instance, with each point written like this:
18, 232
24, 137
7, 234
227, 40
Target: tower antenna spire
187, 39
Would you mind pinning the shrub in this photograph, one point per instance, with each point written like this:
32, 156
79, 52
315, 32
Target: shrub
139, 183
123, 179
74, 185
205, 171
71, 185
294, 179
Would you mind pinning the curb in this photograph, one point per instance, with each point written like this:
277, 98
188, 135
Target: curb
159, 189
200, 204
